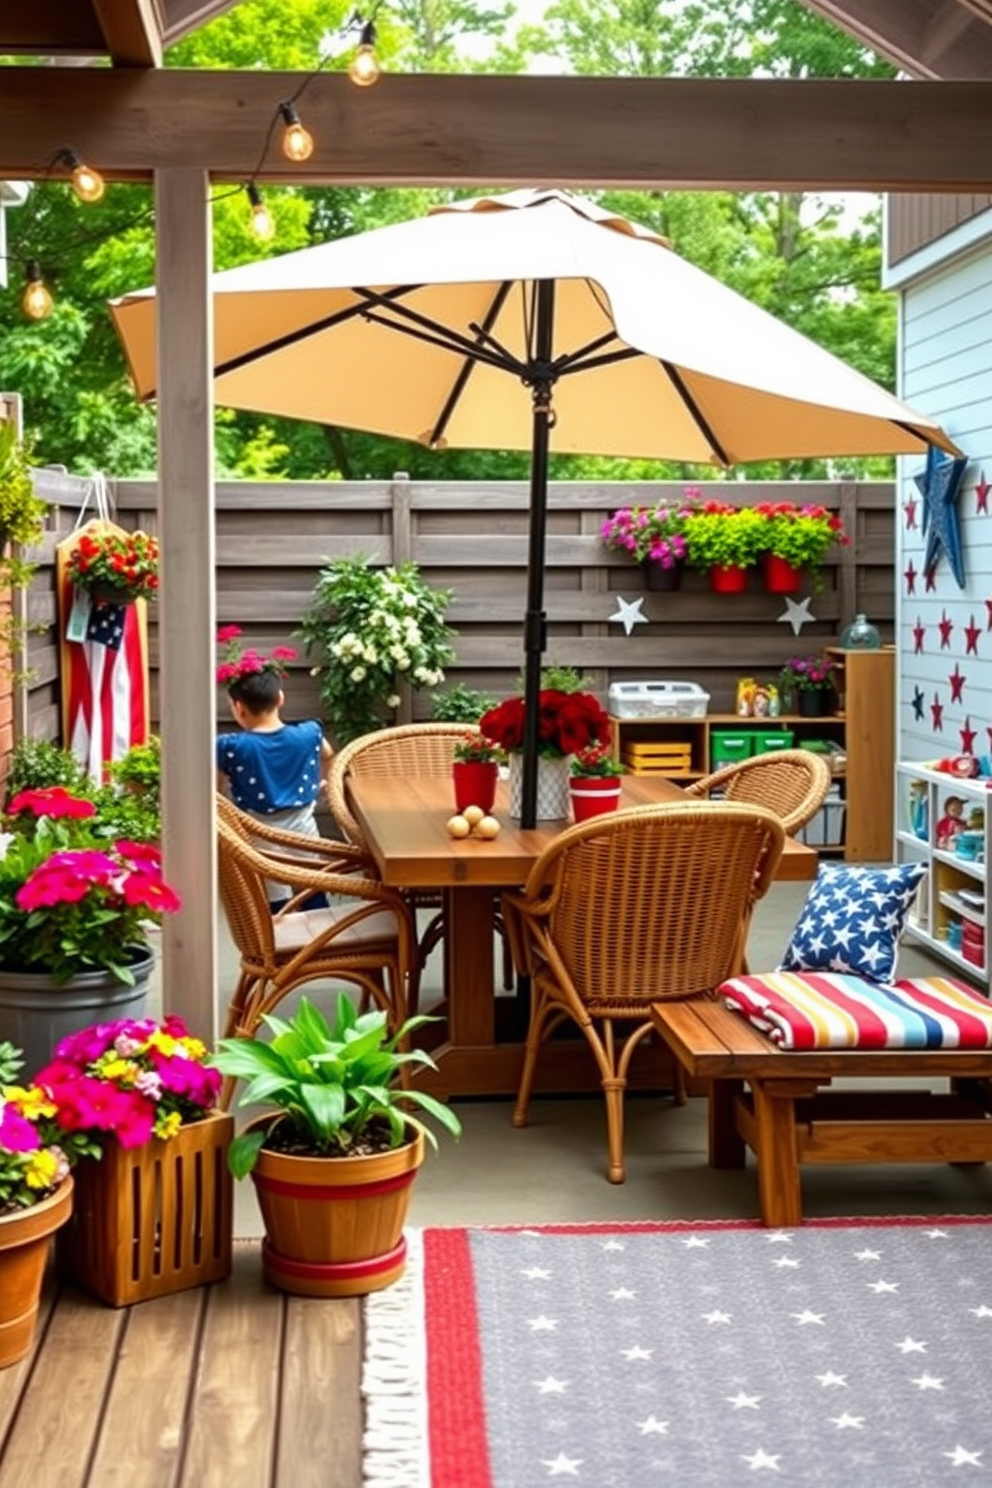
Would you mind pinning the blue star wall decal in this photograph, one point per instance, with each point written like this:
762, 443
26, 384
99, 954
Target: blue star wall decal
939, 484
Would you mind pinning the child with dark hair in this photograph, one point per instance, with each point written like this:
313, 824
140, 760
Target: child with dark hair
273, 770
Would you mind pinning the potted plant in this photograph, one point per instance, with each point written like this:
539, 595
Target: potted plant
36, 1195
344, 1126
153, 1207
654, 536
808, 683
75, 908
567, 722
724, 541
372, 629
461, 704
796, 538
475, 771
113, 566
594, 782
22, 524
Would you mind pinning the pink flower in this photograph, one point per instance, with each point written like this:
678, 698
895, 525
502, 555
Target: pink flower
53, 801
228, 633
143, 889
17, 1133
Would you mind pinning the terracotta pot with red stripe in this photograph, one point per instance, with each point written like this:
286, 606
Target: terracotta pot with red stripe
334, 1225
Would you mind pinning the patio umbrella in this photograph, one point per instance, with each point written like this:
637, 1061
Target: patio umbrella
429, 329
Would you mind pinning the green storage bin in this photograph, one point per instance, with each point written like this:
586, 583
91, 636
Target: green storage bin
780, 739
727, 747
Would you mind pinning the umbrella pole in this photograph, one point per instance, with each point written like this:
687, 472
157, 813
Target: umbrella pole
535, 620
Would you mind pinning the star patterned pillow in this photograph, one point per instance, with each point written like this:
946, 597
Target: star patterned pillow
852, 920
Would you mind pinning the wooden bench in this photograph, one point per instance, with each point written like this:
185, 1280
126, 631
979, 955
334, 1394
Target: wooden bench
787, 1119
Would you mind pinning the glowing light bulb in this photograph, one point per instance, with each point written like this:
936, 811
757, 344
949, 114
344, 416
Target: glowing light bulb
297, 142
260, 219
87, 183
36, 302
364, 67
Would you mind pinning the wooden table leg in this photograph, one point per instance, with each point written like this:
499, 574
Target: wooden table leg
726, 1147
777, 1154
468, 965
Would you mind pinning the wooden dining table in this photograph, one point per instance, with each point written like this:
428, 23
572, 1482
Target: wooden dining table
481, 1032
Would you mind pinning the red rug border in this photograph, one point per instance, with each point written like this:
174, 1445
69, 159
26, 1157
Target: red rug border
456, 1406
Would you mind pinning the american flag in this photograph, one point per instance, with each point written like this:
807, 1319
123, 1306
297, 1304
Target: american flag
104, 678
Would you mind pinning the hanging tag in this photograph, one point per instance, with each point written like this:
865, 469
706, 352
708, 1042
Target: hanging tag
79, 615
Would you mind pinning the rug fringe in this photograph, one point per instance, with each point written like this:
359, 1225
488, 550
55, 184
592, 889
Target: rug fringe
394, 1385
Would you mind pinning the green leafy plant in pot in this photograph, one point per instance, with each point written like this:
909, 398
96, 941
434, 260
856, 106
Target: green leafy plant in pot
344, 1122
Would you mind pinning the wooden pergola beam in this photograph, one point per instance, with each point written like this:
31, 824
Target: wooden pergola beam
737, 134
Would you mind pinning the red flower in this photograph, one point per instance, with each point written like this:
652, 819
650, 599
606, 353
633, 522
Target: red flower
53, 800
566, 722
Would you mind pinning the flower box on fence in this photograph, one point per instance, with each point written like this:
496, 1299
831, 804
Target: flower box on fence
152, 1219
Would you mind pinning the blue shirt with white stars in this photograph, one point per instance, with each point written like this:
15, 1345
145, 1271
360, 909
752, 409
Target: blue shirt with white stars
275, 771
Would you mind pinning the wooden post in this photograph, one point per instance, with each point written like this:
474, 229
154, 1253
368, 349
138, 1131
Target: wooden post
187, 603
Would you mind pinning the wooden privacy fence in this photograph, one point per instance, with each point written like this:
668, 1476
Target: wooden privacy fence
472, 538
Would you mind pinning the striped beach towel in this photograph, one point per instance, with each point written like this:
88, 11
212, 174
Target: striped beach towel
825, 1010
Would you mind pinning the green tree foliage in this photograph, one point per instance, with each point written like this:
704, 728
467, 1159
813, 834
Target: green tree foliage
795, 254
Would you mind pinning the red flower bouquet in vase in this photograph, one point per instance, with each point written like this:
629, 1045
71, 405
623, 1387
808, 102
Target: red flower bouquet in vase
475, 771
567, 722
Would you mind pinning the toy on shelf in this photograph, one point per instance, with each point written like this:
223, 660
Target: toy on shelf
757, 699
951, 823
918, 823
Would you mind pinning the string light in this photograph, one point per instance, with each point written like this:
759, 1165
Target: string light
87, 183
364, 69
297, 142
36, 301
260, 221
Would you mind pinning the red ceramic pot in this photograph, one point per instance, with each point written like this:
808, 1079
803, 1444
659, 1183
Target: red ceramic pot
780, 577
728, 580
475, 783
592, 795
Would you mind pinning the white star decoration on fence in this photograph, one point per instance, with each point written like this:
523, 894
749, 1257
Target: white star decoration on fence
628, 614
797, 615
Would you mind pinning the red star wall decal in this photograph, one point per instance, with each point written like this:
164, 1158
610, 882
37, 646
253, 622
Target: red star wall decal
982, 489
971, 634
968, 737
945, 625
919, 631
931, 580
957, 680
910, 510
937, 713
910, 577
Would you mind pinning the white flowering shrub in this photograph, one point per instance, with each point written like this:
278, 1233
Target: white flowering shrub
369, 629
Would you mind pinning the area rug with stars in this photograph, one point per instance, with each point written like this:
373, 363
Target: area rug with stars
841, 1354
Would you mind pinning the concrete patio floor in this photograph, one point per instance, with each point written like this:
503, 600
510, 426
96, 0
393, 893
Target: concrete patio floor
555, 1168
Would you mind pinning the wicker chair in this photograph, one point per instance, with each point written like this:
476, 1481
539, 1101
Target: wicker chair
366, 937
629, 909
792, 783
409, 749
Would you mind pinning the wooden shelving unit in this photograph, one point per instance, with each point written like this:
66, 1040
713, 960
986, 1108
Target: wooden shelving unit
950, 913
863, 728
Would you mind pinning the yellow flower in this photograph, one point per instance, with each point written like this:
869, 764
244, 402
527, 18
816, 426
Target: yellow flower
32, 1102
193, 1047
125, 1071
167, 1126
42, 1170
164, 1043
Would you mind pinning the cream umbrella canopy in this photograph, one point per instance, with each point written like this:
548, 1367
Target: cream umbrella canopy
532, 320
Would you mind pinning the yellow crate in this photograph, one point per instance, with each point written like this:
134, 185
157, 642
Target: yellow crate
655, 749
659, 767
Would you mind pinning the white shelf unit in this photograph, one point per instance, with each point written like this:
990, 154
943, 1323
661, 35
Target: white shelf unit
948, 924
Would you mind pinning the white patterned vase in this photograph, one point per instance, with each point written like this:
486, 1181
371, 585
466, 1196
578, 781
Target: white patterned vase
552, 788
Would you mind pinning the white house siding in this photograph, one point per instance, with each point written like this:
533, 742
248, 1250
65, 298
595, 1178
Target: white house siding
946, 370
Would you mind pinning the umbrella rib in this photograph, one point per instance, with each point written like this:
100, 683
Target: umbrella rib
483, 338
439, 334
313, 328
694, 412
439, 337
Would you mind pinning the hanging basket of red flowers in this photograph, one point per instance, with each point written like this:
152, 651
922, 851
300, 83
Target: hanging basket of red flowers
114, 566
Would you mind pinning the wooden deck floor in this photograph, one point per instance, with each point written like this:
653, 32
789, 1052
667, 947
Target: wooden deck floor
227, 1386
